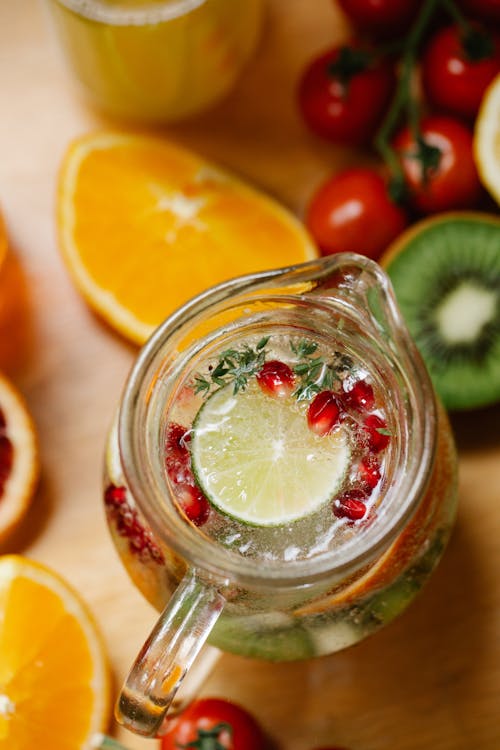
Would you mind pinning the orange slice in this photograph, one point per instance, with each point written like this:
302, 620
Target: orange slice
54, 687
144, 225
19, 464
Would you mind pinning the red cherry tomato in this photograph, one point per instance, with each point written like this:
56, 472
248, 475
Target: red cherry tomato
439, 170
344, 93
229, 724
457, 69
352, 212
383, 18
488, 10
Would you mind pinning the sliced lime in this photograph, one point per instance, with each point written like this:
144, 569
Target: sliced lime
256, 459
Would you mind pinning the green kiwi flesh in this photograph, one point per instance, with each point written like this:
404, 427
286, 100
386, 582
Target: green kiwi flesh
447, 283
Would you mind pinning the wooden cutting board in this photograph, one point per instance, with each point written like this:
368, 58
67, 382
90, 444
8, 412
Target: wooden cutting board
430, 680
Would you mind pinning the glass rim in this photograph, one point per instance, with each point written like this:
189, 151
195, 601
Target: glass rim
116, 15
215, 560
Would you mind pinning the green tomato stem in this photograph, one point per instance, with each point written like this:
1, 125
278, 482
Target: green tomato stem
403, 99
477, 44
451, 8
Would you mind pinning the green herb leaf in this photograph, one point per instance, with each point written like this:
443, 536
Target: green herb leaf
314, 373
304, 348
234, 366
201, 384
219, 381
330, 376
220, 370
384, 431
301, 369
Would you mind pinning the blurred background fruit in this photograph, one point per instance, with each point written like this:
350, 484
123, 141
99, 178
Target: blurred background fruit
382, 18
353, 212
487, 10
19, 463
458, 66
487, 140
215, 723
343, 93
438, 165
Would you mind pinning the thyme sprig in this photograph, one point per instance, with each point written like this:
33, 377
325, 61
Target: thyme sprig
314, 373
237, 366
303, 348
234, 366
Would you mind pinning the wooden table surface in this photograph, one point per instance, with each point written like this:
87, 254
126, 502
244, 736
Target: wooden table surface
431, 679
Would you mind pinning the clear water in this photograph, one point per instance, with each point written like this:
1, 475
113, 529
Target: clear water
319, 532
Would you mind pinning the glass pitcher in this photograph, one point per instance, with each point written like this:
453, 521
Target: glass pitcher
368, 495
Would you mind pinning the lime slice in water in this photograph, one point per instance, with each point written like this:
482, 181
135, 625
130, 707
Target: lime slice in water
256, 459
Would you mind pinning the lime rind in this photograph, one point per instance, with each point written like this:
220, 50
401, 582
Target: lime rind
257, 461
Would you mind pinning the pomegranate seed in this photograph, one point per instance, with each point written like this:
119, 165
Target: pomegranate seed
194, 503
177, 437
323, 413
115, 496
276, 379
127, 524
360, 396
179, 472
177, 458
376, 428
178, 464
136, 534
350, 505
369, 472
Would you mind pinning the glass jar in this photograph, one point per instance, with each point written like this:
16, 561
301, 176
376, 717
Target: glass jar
156, 60
285, 607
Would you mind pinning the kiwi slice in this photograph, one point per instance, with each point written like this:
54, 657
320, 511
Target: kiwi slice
272, 636
446, 276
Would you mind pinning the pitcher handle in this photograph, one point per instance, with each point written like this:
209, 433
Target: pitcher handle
167, 655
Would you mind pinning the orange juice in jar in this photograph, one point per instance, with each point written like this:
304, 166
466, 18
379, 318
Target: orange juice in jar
281, 480
156, 60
